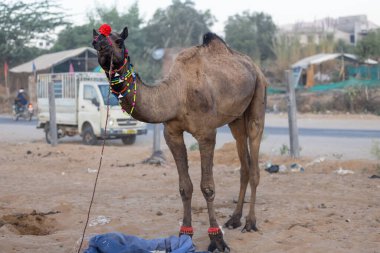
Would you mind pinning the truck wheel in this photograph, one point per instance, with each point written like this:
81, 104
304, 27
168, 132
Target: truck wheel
48, 135
129, 139
89, 137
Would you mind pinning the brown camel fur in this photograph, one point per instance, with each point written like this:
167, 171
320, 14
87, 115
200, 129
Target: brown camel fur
208, 86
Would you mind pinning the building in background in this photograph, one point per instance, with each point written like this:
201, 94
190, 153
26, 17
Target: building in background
349, 29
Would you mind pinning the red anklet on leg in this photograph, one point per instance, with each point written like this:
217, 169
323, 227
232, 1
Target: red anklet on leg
214, 231
186, 230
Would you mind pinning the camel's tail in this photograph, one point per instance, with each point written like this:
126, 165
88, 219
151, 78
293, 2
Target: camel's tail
259, 99
255, 113
260, 79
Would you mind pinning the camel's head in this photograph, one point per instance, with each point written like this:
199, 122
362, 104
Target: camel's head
110, 45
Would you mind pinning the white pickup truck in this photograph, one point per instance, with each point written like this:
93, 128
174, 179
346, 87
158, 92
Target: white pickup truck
81, 108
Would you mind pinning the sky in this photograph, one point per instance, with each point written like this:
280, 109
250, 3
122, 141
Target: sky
283, 12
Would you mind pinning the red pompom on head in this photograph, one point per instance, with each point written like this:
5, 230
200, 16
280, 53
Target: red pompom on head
105, 29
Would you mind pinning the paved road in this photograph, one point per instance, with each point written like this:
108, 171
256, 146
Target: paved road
315, 132
318, 137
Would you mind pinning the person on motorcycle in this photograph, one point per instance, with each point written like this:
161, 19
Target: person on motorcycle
21, 100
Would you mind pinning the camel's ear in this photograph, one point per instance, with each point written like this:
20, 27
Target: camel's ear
94, 33
124, 33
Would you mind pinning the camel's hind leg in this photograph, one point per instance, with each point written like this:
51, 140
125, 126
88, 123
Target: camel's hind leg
238, 130
255, 116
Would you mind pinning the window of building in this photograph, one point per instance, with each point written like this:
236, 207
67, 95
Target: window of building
352, 38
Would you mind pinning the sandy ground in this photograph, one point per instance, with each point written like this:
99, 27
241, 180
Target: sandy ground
312, 211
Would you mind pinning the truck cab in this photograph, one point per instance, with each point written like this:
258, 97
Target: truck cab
92, 114
83, 105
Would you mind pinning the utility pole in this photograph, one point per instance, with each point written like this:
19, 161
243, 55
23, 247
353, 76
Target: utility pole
156, 139
292, 116
157, 156
52, 114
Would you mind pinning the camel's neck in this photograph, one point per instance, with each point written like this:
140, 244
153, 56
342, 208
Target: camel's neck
154, 103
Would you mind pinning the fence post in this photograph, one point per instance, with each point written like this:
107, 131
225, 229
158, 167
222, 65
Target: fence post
156, 139
52, 114
292, 116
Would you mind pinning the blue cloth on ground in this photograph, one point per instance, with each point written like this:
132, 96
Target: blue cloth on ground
120, 243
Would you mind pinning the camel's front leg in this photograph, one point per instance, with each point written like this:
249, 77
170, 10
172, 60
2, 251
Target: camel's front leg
174, 139
206, 147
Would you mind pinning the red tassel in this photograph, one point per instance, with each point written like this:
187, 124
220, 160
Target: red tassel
186, 230
213, 231
105, 29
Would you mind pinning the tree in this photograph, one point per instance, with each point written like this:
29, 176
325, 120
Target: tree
369, 46
80, 36
252, 34
136, 41
341, 46
179, 25
288, 51
20, 22
73, 37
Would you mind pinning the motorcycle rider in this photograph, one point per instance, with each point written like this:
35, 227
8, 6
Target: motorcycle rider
21, 100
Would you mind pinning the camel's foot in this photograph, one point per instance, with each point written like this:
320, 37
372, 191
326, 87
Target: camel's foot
233, 222
217, 243
250, 226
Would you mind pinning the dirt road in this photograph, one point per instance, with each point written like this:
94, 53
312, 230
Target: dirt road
314, 211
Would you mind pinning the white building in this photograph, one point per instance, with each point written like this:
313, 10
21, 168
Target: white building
350, 29
41, 44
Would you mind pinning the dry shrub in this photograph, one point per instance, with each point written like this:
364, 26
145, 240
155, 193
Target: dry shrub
353, 99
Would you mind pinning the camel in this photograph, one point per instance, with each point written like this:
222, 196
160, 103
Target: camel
208, 86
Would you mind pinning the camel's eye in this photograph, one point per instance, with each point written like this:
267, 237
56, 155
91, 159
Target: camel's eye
119, 42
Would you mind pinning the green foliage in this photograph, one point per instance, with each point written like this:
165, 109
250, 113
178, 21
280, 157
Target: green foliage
20, 22
252, 34
79, 36
117, 20
179, 25
73, 37
284, 150
369, 46
342, 47
287, 51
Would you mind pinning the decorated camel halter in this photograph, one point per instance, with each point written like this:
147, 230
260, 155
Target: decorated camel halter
128, 77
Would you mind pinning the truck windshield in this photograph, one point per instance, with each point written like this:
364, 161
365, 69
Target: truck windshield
104, 88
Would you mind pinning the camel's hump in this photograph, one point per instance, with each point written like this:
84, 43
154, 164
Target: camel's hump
208, 37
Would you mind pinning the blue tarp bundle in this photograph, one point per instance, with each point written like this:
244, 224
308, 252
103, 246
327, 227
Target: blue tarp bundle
120, 243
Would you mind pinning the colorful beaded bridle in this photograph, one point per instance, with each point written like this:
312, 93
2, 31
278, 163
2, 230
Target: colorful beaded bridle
129, 76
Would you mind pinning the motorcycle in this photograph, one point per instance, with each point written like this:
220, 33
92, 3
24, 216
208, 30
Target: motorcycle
23, 111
